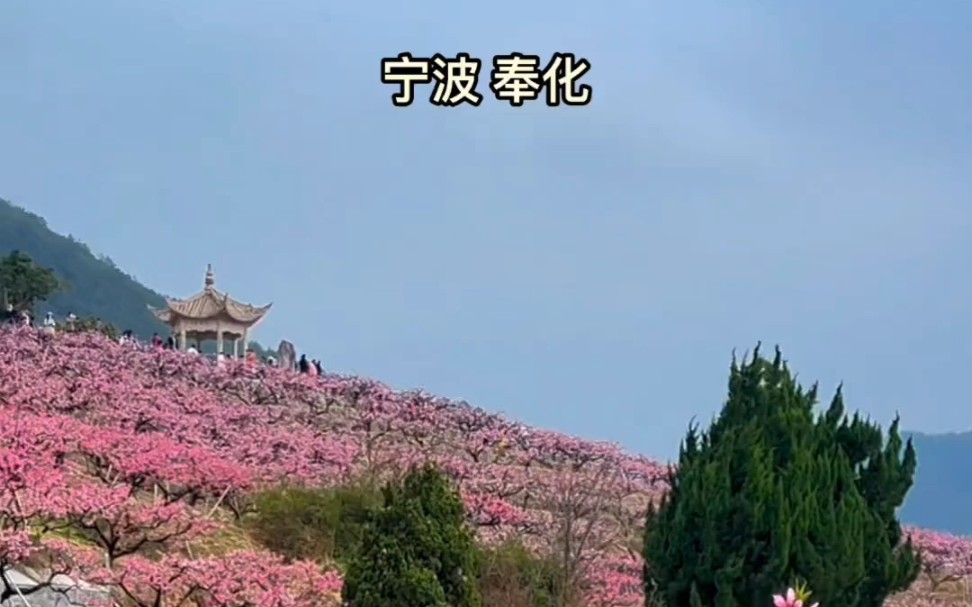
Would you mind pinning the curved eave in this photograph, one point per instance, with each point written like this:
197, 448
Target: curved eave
164, 314
254, 316
246, 318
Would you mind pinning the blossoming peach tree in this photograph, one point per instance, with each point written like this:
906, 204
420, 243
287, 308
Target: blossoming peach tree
128, 468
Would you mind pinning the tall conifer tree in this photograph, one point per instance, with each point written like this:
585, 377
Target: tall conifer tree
772, 494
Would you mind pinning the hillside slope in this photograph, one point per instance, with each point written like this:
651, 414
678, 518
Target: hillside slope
283, 426
139, 444
939, 499
171, 426
98, 288
942, 498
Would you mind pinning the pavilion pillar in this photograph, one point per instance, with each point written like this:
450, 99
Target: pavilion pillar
236, 347
219, 341
182, 338
246, 339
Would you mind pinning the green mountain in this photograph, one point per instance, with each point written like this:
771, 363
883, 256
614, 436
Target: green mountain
97, 287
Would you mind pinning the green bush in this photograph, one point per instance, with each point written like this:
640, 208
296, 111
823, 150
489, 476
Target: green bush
417, 550
327, 525
317, 524
772, 494
511, 576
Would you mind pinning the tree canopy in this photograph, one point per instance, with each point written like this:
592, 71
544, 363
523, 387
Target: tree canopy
24, 283
772, 494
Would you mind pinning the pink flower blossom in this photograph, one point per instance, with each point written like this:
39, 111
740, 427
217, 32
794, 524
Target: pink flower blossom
790, 599
146, 451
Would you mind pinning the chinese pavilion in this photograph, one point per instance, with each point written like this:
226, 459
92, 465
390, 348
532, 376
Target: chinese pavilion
211, 315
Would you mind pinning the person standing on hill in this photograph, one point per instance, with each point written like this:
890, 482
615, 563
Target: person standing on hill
50, 325
303, 366
318, 367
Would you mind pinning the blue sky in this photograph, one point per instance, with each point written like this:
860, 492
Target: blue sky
747, 171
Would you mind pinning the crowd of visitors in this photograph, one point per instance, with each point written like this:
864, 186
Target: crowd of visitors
313, 367
72, 323
26, 318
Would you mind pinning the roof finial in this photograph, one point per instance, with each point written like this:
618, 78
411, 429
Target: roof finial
210, 279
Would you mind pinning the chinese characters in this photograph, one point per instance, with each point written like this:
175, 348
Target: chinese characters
515, 78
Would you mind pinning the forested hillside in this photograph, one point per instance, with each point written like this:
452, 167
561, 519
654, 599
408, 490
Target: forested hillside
96, 287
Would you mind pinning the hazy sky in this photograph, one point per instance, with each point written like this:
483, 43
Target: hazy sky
788, 172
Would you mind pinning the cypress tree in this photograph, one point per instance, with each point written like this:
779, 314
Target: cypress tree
417, 550
772, 494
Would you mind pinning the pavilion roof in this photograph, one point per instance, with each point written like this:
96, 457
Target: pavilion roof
210, 303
